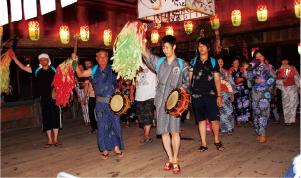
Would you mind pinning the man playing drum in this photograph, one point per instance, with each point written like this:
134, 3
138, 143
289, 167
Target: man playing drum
172, 73
105, 83
206, 92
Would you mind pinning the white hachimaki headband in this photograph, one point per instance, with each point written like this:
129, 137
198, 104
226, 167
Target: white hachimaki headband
45, 56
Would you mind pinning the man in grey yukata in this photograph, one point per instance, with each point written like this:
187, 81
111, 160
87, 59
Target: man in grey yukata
170, 76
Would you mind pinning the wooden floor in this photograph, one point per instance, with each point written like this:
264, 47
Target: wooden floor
23, 155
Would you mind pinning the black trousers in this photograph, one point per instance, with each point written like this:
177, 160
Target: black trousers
50, 114
92, 103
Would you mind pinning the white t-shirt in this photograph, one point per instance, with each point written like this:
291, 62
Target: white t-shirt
146, 84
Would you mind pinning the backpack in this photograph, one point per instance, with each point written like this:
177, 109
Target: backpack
212, 61
163, 58
38, 69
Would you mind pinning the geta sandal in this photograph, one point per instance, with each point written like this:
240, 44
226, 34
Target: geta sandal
103, 156
47, 145
238, 124
176, 168
119, 155
221, 134
168, 166
230, 133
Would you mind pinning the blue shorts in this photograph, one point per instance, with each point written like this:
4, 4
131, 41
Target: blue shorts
206, 107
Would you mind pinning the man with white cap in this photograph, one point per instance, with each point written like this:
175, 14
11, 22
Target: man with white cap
50, 112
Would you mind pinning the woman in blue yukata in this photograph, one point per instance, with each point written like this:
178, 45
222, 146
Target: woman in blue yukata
264, 79
241, 97
226, 111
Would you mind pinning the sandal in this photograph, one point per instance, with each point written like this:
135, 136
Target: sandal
47, 145
221, 134
202, 149
57, 144
230, 133
251, 124
288, 124
119, 155
238, 124
168, 166
277, 122
176, 168
262, 140
219, 146
103, 156
127, 125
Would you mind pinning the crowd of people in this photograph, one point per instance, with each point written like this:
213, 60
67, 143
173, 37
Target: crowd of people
252, 99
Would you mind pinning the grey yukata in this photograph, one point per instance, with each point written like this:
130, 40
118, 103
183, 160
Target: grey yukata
169, 77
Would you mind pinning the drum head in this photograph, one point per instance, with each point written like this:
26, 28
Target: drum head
172, 100
116, 103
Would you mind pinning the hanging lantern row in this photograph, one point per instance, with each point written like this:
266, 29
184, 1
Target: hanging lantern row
1, 32
34, 30
64, 34
262, 12
297, 8
169, 30
84, 33
155, 36
215, 22
236, 18
107, 37
188, 26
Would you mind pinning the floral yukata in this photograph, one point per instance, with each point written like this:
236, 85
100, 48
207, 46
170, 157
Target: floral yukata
261, 95
109, 130
226, 111
241, 99
289, 92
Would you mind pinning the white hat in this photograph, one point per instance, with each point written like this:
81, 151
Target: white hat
45, 56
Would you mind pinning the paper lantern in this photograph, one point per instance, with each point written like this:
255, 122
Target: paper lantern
84, 33
65, 34
262, 13
188, 26
1, 32
169, 30
155, 36
215, 22
299, 48
253, 51
107, 37
34, 30
297, 8
236, 18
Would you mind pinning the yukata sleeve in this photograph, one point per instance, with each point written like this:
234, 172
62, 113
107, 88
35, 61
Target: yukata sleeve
279, 83
185, 78
230, 80
250, 75
152, 61
297, 78
272, 77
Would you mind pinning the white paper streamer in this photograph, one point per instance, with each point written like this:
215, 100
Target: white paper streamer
3, 12
16, 10
47, 6
30, 8
65, 3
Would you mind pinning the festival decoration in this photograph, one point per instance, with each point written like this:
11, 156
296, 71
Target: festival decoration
215, 22
236, 18
297, 8
175, 10
64, 34
253, 51
188, 26
244, 49
4, 68
169, 30
127, 50
34, 30
218, 48
64, 80
107, 37
84, 33
299, 48
262, 12
155, 36
155, 24
1, 32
